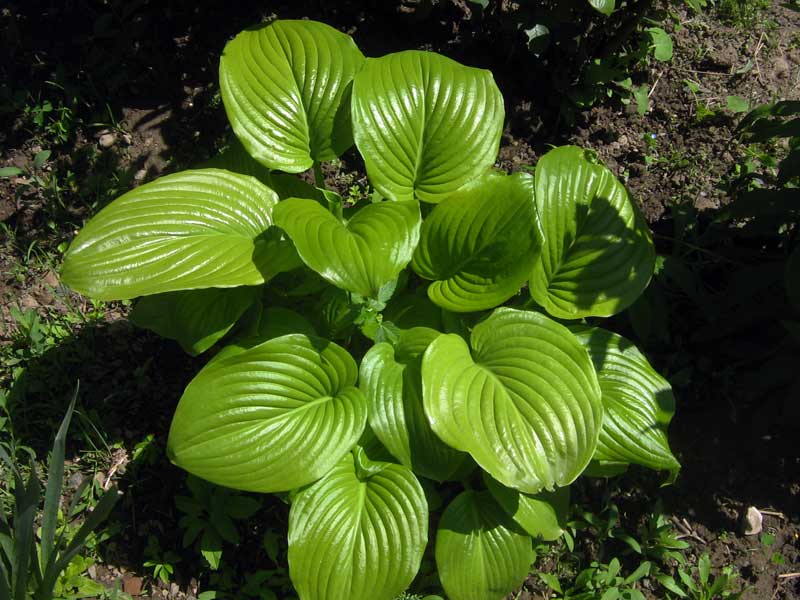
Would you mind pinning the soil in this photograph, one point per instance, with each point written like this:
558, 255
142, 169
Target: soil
161, 86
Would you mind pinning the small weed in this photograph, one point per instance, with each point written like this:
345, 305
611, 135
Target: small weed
161, 564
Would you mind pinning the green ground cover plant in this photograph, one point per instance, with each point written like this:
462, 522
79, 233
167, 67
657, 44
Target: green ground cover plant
440, 336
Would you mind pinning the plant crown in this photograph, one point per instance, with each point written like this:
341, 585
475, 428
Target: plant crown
460, 376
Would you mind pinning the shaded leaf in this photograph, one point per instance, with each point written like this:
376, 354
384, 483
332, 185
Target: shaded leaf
598, 255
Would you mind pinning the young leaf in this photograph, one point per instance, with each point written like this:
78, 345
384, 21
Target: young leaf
194, 229
286, 89
540, 515
525, 403
361, 256
737, 104
662, 44
425, 124
480, 244
196, 319
392, 382
270, 418
480, 553
637, 402
357, 533
598, 255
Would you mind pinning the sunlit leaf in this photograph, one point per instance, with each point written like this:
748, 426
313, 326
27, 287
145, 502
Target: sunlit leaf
286, 88
425, 124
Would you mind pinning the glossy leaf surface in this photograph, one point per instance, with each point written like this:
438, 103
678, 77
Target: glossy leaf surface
286, 89
194, 229
269, 418
480, 553
392, 382
598, 255
540, 515
358, 533
425, 124
603, 6
525, 403
637, 401
196, 319
480, 244
361, 256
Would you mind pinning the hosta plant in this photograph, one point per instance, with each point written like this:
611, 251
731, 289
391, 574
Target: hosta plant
435, 336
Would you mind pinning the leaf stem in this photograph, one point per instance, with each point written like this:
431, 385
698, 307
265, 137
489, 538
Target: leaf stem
319, 178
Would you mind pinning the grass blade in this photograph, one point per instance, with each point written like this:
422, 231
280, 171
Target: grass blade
26, 501
97, 516
55, 478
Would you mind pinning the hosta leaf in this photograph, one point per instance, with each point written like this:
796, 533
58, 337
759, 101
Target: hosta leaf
392, 382
357, 533
638, 403
525, 403
604, 6
196, 319
480, 553
598, 255
540, 514
236, 159
286, 88
480, 244
411, 310
361, 256
194, 229
425, 124
270, 418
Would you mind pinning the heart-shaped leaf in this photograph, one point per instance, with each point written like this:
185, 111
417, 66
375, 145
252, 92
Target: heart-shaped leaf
357, 533
392, 382
637, 402
425, 124
598, 255
480, 244
196, 319
525, 403
194, 229
540, 515
270, 418
361, 256
480, 553
286, 88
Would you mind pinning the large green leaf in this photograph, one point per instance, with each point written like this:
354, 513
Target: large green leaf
360, 256
196, 319
358, 533
270, 418
525, 403
541, 514
480, 553
638, 403
425, 124
286, 88
480, 244
598, 255
194, 229
392, 381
